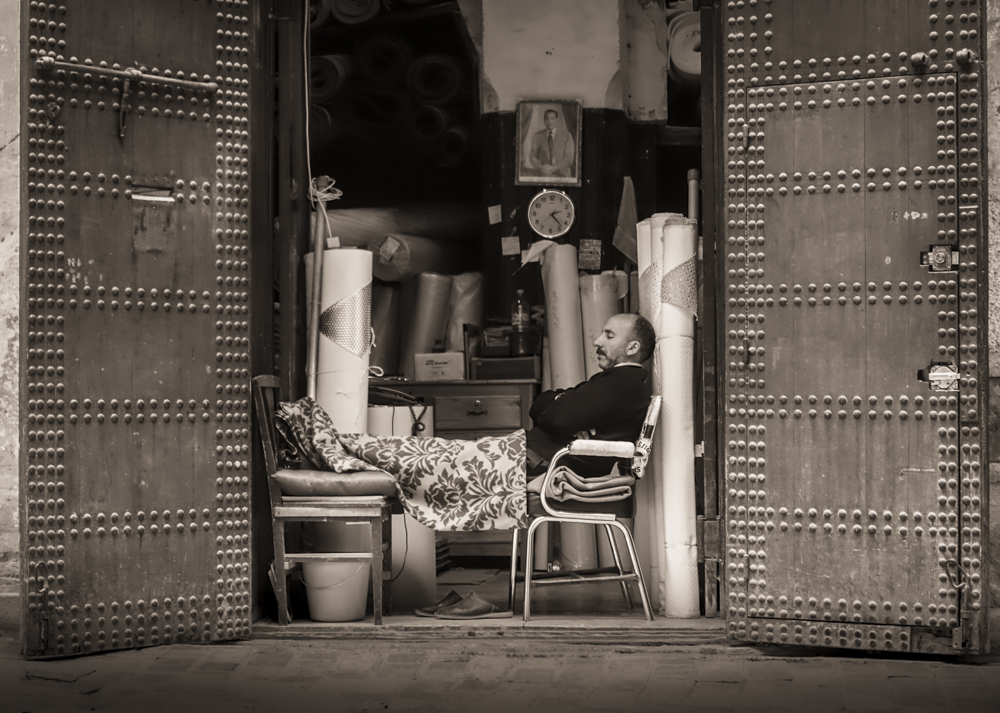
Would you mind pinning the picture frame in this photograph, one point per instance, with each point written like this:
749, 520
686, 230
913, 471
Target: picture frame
548, 143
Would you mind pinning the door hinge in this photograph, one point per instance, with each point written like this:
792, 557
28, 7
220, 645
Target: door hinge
699, 450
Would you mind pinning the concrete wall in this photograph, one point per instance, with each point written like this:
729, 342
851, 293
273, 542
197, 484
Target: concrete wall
991, 110
9, 156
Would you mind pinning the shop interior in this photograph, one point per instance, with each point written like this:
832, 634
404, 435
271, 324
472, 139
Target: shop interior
426, 149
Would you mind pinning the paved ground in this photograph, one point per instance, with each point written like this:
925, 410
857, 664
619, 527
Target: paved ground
486, 676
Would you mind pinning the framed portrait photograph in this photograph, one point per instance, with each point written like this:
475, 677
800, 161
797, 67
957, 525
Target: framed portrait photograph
548, 143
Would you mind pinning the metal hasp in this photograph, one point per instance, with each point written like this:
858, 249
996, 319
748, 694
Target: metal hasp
50, 64
940, 258
853, 399
941, 376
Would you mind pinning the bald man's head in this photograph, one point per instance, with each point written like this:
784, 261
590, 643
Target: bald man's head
625, 338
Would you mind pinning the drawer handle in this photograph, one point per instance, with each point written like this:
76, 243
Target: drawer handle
478, 410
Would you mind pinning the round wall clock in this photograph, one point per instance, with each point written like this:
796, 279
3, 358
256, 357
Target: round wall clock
551, 213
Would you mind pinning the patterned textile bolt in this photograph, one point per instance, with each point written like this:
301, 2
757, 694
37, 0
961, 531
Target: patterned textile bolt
679, 286
444, 484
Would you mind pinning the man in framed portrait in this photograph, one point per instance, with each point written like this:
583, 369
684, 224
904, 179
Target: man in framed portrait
553, 149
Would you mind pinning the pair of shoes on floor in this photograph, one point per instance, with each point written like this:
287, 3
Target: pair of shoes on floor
453, 606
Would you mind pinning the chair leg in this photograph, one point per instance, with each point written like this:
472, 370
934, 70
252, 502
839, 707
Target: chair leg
513, 568
529, 560
618, 563
377, 571
280, 578
387, 559
643, 594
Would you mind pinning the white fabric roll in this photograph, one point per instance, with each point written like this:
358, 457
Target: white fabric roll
345, 337
675, 492
685, 47
465, 306
563, 316
414, 567
546, 364
564, 322
430, 319
598, 301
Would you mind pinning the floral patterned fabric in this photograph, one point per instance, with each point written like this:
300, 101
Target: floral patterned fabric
444, 484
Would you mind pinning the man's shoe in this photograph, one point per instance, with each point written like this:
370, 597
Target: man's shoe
473, 607
447, 600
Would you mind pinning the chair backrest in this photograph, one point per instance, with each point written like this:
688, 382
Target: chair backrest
266, 395
644, 444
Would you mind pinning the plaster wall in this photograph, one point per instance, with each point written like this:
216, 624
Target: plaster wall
9, 285
992, 113
550, 49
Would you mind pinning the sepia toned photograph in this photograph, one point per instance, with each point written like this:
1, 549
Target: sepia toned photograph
548, 141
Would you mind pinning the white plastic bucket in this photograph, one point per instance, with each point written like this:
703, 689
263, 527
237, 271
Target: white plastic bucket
336, 591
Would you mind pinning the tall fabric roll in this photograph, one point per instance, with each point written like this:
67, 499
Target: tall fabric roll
546, 364
465, 306
445, 221
564, 322
563, 316
386, 324
430, 319
675, 347
398, 256
621, 277
413, 559
598, 301
345, 338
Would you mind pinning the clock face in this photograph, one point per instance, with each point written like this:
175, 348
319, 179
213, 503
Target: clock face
551, 213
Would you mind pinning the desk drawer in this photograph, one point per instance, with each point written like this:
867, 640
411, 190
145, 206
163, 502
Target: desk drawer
477, 413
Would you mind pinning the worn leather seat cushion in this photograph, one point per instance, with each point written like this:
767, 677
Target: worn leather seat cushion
621, 509
327, 483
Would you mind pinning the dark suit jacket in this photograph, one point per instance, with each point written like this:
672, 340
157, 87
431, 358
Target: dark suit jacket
612, 403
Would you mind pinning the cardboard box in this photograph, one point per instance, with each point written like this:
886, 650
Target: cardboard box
446, 366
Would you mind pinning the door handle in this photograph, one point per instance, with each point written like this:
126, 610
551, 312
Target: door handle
478, 410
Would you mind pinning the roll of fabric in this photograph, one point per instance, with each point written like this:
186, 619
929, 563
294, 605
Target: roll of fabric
685, 48
624, 287
564, 319
353, 12
345, 337
454, 145
372, 108
386, 324
675, 349
385, 59
465, 306
319, 14
398, 256
564, 324
445, 221
414, 569
598, 300
322, 128
430, 319
428, 123
327, 75
546, 364
434, 79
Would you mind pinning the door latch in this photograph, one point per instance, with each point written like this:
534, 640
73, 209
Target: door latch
941, 376
940, 258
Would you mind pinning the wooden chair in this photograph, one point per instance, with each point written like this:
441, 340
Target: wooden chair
609, 515
366, 497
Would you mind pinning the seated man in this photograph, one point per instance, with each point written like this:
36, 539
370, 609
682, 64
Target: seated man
609, 406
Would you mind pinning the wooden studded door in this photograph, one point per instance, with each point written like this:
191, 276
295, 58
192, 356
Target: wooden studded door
853, 395
134, 323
